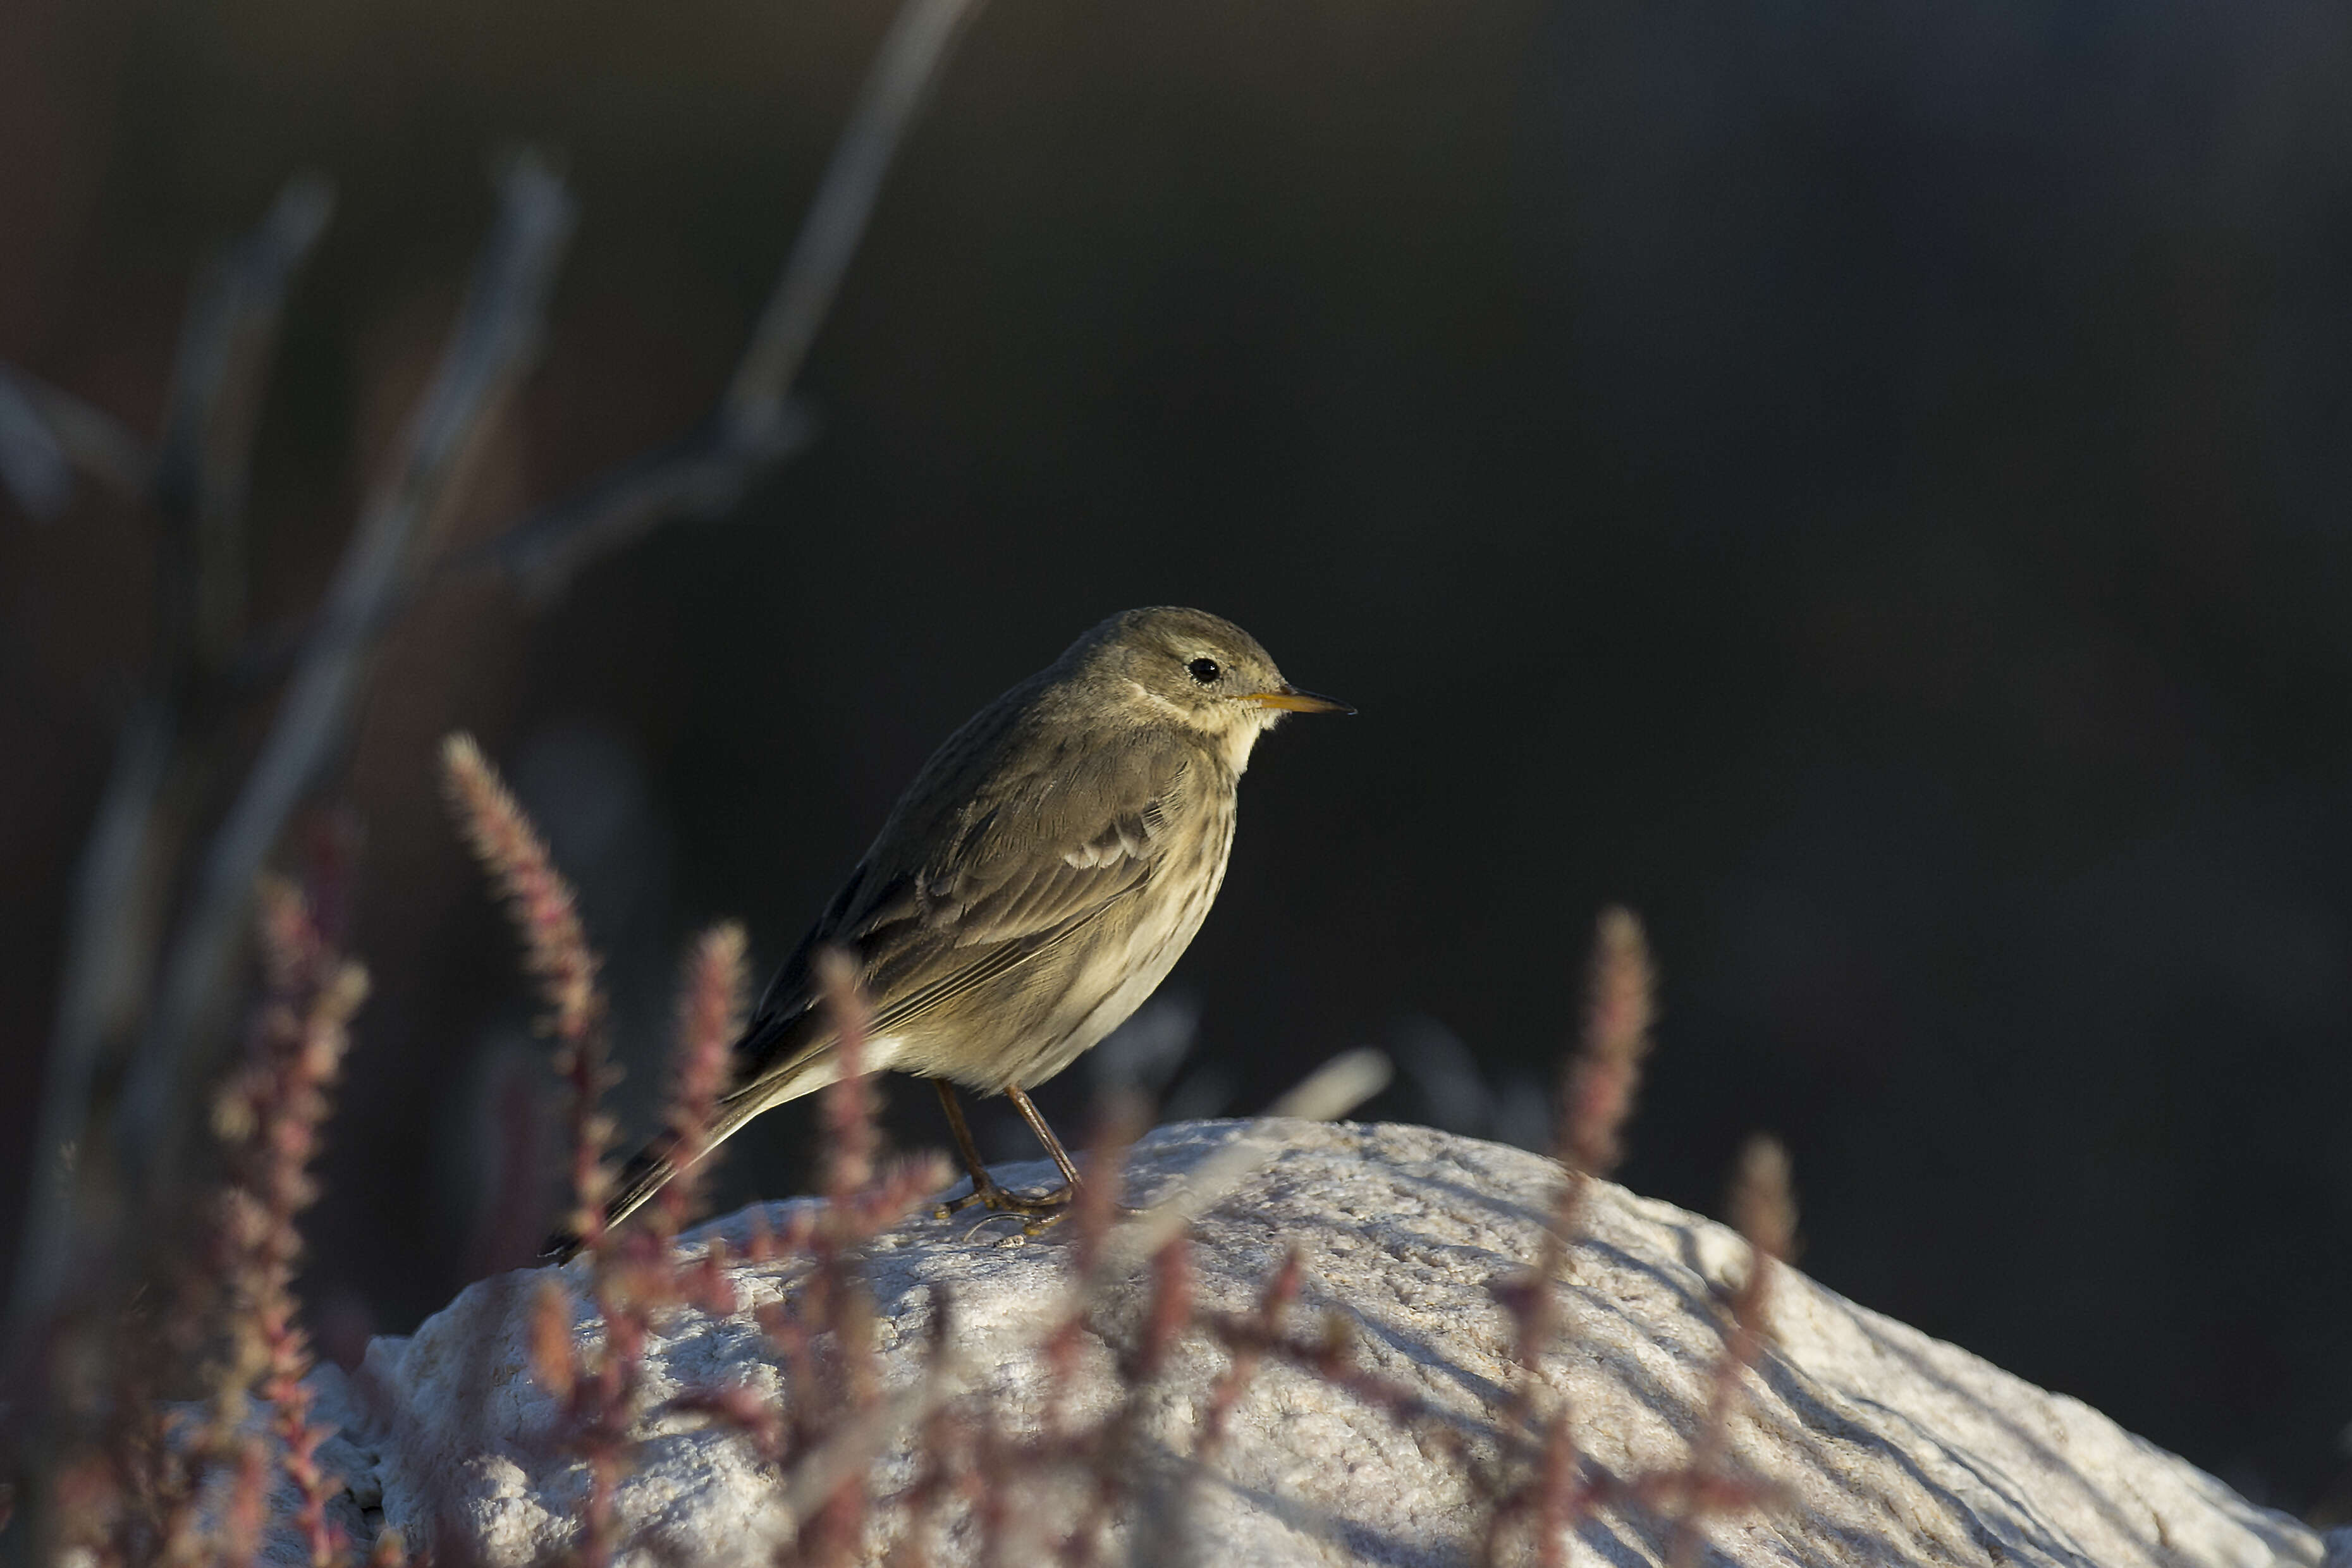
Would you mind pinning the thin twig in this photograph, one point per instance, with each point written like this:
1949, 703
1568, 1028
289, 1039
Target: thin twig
755, 425
917, 42
273, 1113
232, 1305
1119, 1120
709, 1017
1764, 1210
1281, 1290
198, 480
493, 345
599, 1393
202, 463
545, 913
1596, 1100
104, 973
1114, 1452
703, 474
47, 434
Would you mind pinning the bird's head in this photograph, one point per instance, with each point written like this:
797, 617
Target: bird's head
1195, 667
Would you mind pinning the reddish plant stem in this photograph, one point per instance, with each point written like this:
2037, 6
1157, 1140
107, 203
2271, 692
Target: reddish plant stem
545, 913
709, 1017
1557, 1501
1281, 1290
1763, 1208
849, 1100
269, 1115
556, 952
1596, 1100
1113, 1452
1115, 1130
243, 1512
941, 1449
860, 1200
1619, 1008
1597, 1094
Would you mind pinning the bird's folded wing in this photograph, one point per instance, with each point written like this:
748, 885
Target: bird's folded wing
1027, 873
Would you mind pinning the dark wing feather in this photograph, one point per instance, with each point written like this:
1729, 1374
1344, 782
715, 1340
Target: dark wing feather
1015, 866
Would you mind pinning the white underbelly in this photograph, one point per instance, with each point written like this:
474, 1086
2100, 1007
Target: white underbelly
1123, 979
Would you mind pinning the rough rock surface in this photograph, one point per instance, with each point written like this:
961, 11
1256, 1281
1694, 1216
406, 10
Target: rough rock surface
1891, 1448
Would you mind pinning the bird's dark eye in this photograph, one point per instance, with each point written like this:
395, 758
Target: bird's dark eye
1204, 670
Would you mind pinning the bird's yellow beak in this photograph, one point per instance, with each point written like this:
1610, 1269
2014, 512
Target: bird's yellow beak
1297, 701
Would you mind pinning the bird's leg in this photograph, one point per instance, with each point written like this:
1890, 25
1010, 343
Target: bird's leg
1039, 1210
1046, 1135
1043, 1209
984, 1189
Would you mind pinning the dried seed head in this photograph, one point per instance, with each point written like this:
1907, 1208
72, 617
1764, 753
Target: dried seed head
1763, 1201
1602, 1076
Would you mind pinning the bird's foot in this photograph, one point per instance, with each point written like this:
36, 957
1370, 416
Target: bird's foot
1037, 1210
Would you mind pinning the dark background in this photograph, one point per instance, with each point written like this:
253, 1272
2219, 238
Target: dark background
1863, 482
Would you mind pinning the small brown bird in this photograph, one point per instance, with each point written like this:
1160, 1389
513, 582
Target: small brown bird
1031, 887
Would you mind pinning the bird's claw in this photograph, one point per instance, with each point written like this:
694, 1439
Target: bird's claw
1037, 1210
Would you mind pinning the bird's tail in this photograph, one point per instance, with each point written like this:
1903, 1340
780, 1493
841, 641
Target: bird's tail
651, 1168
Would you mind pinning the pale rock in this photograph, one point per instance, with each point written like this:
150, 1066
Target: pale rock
1891, 1448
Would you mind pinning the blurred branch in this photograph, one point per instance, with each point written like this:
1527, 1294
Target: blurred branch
198, 476
206, 451
46, 433
197, 482
755, 425
105, 951
494, 339
703, 474
893, 90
